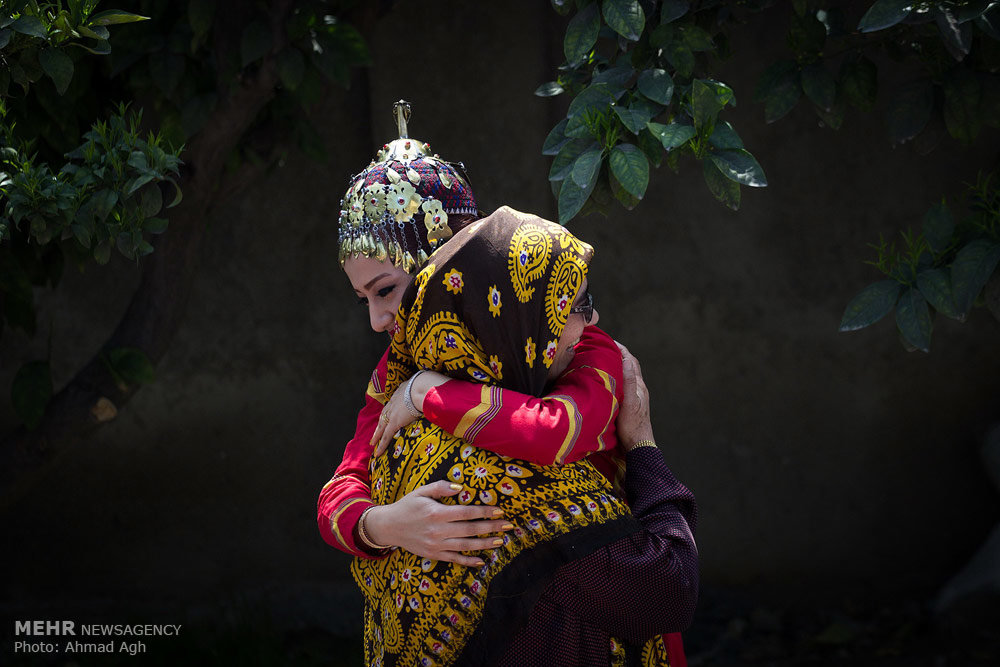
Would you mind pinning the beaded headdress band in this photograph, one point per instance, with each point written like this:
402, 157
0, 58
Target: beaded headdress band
398, 207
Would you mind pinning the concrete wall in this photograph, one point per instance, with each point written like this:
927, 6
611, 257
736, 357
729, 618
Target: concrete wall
823, 462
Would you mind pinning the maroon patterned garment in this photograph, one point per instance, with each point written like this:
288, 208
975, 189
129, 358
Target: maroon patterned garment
634, 588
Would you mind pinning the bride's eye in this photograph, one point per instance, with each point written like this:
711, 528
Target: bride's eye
386, 291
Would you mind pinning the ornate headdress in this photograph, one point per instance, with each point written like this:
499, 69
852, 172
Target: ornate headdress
398, 207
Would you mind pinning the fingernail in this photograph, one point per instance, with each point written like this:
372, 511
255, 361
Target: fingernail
507, 526
456, 487
497, 542
480, 563
497, 512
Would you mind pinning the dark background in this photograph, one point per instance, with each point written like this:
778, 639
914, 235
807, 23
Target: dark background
838, 476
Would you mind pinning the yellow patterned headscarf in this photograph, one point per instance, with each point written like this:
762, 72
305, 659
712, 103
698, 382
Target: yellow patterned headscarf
491, 304
490, 307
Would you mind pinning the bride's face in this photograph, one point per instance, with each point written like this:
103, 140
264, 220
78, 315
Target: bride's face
379, 286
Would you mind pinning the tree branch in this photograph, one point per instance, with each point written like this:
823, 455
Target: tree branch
155, 312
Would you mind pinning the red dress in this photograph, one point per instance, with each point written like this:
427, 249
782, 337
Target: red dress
574, 420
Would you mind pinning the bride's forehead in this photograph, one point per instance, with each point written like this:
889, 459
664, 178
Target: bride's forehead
361, 270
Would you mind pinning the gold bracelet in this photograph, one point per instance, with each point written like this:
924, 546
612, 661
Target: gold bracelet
364, 535
641, 443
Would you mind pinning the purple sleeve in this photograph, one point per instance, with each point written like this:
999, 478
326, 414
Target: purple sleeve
647, 583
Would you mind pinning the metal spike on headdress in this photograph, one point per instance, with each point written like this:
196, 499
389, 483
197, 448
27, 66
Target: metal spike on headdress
381, 210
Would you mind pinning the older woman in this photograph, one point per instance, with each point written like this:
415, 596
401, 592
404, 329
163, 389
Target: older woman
421, 611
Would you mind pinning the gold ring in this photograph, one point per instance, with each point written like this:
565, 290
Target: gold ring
384, 418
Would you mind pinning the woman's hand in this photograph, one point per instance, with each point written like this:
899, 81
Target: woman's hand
395, 414
633, 418
422, 525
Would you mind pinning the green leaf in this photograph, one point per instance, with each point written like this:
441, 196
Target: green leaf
58, 66
651, 147
115, 16
625, 17
909, 110
646, 108
255, 43
672, 135
885, 14
779, 89
549, 89
680, 57
990, 22
859, 81
616, 77
630, 166
556, 139
581, 33
708, 98
100, 48
740, 166
634, 118
595, 97
178, 193
623, 196
98, 32
103, 201
102, 252
673, 10
562, 7
4, 38
31, 392
913, 318
935, 285
345, 42
132, 365
724, 137
81, 233
29, 25
870, 305
819, 85
572, 196
291, 67
150, 200
586, 167
962, 96
723, 189
972, 267
657, 85
938, 227
957, 36
562, 166
695, 38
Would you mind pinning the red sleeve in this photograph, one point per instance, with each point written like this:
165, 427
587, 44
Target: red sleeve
576, 417
348, 494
